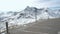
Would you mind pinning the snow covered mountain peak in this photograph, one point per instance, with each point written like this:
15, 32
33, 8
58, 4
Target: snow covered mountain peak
32, 12
28, 15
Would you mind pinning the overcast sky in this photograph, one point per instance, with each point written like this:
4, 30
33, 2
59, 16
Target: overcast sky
16, 5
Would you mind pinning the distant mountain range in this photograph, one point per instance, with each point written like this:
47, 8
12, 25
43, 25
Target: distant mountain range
29, 14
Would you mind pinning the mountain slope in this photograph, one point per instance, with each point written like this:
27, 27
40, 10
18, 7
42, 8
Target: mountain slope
50, 26
28, 15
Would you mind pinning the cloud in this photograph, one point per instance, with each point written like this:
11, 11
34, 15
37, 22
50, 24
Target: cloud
49, 3
21, 4
43, 1
13, 5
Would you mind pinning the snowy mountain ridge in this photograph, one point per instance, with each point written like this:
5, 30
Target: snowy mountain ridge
31, 13
28, 15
